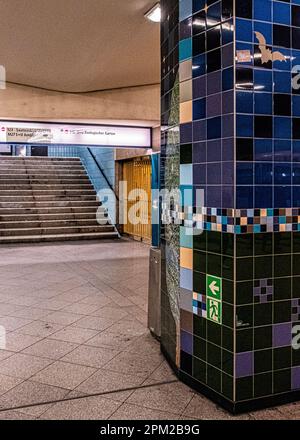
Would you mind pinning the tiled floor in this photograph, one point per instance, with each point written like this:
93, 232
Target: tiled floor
75, 317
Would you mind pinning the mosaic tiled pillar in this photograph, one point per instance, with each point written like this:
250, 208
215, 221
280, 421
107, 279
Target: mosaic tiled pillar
231, 127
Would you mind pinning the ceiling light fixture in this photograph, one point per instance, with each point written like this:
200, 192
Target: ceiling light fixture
154, 14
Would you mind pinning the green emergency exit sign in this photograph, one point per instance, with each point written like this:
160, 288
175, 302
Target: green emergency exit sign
214, 298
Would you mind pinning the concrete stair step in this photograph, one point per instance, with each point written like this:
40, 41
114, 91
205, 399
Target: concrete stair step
47, 171
56, 230
43, 224
38, 159
46, 187
40, 163
58, 237
9, 178
58, 181
49, 204
46, 198
60, 210
45, 192
38, 217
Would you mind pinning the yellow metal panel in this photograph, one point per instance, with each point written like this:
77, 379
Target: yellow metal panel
137, 174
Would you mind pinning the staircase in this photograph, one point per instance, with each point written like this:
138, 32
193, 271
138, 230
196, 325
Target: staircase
48, 199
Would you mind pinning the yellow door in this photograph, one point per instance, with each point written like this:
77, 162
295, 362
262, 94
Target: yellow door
137, 175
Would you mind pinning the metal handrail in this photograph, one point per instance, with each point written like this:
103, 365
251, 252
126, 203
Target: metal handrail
102, 172
106, 180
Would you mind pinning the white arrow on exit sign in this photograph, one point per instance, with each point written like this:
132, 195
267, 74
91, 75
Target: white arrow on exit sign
214, 288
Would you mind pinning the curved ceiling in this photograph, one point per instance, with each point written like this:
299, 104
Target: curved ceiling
79, 45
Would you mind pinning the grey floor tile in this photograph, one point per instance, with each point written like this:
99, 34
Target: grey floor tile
128, 327
4, 354
95, 323
30, 313
112, 340
81, 308
64, 375
90, 356
171, 398
203, 409
62, 318
40, 328
32, 393
76, 335
15, 415
17, 341
22, 365
8, 382
110, 381
52, 304
11, 323
135, 364
91, 408
50, 348
134, 412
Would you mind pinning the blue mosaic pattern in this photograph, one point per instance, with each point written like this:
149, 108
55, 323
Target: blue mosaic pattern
239, 125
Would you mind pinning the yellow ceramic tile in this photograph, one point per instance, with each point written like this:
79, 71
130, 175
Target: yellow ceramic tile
186, 112
186, 258
185, 70
186, 91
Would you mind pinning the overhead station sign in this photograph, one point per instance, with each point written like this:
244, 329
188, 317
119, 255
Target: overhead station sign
96, 135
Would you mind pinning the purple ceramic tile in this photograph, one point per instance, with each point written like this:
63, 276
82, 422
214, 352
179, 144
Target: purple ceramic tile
214, 151
186, 342
199, 87
228, 173
214, 83
295, 378
227, 55
244, 364
227, 196
282, 334
214, 104
214, 196
186, 133
228, 149
227, 126
199, 130
199, 174
199, 152
228, 102
214, 174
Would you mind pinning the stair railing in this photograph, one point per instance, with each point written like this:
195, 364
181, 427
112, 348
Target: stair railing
110, 186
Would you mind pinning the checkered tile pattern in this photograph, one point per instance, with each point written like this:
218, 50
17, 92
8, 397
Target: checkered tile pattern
263, 291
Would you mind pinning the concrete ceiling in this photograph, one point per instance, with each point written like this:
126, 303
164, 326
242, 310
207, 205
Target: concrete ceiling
79, 45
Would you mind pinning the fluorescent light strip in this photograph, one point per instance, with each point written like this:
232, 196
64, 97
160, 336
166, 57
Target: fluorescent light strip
154, 14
